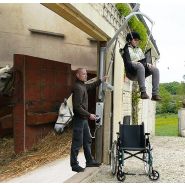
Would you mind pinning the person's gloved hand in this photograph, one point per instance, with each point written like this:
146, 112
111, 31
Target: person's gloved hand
121, 51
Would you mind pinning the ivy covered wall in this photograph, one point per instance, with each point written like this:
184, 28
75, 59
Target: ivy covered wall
134, 25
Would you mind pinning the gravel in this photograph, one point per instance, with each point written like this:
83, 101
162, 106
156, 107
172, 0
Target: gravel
168, 160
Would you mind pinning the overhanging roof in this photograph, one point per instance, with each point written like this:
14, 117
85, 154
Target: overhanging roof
72, 15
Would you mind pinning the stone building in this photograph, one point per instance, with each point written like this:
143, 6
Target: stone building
75, 34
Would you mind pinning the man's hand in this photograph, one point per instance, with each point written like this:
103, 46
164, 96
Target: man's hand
92, 117
105, 78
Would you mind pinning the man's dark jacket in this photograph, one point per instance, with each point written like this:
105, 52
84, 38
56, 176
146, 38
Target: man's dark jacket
80, 98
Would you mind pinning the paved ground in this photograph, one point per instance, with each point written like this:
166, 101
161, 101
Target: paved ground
57, 171
169, 161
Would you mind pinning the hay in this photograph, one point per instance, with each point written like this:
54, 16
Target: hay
52, 147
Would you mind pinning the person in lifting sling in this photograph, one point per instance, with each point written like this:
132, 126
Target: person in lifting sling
137, 68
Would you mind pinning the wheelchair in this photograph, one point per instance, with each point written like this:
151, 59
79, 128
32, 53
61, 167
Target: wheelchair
132, 141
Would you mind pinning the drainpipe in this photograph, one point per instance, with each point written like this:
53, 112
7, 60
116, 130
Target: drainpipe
99, 132
101, 71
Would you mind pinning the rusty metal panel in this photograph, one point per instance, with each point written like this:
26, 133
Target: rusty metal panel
40, 118
46, 81
41, 86
19, 108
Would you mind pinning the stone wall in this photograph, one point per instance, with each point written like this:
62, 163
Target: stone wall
15, 36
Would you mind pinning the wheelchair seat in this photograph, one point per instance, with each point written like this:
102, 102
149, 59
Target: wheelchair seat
132, 137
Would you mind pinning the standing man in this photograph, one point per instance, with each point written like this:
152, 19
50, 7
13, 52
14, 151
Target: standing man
81, 132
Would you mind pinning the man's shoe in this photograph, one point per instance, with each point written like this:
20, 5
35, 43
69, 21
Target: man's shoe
156, 98
93, 163
78, 169
144, 95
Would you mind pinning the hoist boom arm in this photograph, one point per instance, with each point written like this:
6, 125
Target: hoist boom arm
126, 19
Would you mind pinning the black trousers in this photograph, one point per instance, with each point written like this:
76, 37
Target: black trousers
81, 137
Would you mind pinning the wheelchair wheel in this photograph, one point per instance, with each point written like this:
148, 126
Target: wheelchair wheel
154, 175
114, 158
121, 176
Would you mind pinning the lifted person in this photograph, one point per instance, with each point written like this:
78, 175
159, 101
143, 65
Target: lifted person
135, 70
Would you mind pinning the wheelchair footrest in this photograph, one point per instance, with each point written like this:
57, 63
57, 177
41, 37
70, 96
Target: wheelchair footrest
126, 173
142, 174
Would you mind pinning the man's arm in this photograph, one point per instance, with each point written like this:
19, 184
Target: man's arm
77, 102
93, 85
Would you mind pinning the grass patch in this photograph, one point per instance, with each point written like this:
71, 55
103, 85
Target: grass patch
166, 125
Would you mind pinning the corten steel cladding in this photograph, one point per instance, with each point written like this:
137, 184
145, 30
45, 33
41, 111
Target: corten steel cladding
40, 86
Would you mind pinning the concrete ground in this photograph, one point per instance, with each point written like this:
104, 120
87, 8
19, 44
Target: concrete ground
169, 161
54, 172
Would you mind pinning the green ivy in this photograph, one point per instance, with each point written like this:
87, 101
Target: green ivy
135, 103
134, 25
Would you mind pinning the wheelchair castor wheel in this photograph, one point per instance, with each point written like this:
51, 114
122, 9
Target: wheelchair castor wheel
121, 176
154, 175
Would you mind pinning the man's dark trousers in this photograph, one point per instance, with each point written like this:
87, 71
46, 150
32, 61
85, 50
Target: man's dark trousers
81, 137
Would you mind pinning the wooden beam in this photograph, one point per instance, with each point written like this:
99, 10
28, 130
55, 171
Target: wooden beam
68, 12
